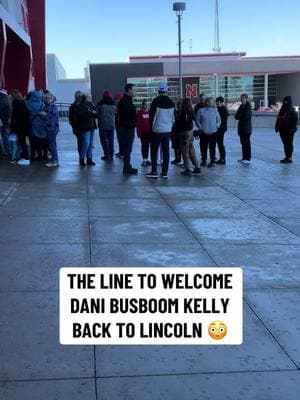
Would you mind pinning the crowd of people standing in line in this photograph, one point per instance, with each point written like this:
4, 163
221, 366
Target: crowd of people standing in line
35, 120
162, 123
29, 127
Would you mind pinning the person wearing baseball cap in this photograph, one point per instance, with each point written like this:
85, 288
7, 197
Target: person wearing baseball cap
162, 117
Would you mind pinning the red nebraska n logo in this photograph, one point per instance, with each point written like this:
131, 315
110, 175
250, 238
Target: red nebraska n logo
191, 90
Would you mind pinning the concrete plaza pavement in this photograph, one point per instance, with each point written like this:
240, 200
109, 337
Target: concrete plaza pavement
230, 216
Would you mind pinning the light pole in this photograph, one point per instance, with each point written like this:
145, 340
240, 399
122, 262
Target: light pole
179, 8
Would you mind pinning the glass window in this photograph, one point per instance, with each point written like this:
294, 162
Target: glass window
230, 87
147, 88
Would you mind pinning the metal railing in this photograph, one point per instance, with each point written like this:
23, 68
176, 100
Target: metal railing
63, 109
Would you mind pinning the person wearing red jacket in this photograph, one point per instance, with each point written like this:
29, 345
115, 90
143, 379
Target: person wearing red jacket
144, 132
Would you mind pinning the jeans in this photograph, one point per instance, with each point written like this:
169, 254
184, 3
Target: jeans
287, 140
126, 141
52, 146
14, 150
246, 147
107, 142
208, 141
162, 139
87, 145
220, 143
188, 150
5, 138
145, 142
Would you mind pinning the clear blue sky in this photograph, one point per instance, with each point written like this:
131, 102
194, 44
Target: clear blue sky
112, 30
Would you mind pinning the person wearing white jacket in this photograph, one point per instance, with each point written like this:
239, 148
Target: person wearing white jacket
162, 118
209, 121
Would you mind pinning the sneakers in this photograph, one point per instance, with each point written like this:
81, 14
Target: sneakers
82, 162
132, 171
286, 161
246, 162
211, 165
52, 164
175, 162
151, 175
105, 158
221, 162
164, 176
24, 162
90, 162
197, 170
14, 162
186, 172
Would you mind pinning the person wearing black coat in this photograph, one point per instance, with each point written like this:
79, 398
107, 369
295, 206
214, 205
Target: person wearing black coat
73, 119
86, 115
20, 122
286, 125
222, 130
127, 119
244, 117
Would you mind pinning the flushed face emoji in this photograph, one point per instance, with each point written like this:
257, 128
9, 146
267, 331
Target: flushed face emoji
217, 330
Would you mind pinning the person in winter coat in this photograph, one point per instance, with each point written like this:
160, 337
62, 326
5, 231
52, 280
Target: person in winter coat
185, 125
198, 106
52, 127
175, 137
244, 116
5, 111
117, 98
20, 124
85, 125
38, 133
73, 119
209, 121
144, 132
106, 122
286, 125
162, 118
127, 120
222, 130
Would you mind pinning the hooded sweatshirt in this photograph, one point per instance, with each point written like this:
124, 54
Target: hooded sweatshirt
162, 114
35, 105
107, 111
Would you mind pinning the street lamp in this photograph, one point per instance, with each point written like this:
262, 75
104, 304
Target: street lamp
179, 8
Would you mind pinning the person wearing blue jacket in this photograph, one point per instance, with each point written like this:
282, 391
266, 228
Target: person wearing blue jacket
50, 114
209, 121
37, 134
107, 111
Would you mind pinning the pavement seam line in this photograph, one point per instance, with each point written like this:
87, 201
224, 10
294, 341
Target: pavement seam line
90, 255
186, 226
